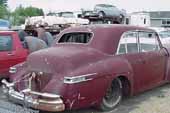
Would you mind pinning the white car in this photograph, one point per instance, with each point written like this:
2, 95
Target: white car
56, 20
164, 35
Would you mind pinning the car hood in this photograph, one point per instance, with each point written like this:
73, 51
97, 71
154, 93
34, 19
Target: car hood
62, 60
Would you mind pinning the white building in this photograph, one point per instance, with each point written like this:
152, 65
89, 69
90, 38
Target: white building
138, 19
152, 19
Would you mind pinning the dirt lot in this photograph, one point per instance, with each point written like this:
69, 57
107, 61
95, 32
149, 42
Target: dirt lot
153, 101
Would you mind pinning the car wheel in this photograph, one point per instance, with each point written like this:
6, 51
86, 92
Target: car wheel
101, 14
113, 96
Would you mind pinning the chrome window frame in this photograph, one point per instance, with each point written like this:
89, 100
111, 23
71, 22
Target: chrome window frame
156, 39
125, 33
138, 40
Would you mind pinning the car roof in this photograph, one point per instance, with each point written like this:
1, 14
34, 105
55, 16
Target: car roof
105, 37
108, 27
6, 31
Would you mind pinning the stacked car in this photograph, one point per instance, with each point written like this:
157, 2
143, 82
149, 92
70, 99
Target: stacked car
55, 21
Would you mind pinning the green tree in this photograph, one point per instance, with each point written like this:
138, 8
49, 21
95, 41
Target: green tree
4, 13
21, 13
28, 11
3, 2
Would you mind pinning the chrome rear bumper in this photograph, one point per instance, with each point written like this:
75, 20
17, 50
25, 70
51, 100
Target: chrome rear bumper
49, 102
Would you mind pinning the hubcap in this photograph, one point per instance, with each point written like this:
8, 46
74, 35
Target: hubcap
114, 94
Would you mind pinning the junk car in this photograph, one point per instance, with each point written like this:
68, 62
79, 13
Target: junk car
107, 10
94, 65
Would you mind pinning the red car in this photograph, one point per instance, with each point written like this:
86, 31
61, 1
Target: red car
11, 51
14, 48
93, 65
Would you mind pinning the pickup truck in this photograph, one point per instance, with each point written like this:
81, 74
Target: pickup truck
14, 50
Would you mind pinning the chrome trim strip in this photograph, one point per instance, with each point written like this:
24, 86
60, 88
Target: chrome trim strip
78, 79
86, 75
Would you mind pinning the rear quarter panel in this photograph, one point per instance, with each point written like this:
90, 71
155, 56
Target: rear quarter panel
90, 93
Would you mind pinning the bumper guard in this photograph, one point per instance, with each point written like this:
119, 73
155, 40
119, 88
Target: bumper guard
50, 102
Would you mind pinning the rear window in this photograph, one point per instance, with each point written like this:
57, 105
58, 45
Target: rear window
75, 38
5, 43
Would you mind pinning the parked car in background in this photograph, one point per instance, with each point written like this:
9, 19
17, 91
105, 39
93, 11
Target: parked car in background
11, 51
66, 14
14, 49
95, 65
72, 19
106, 10
164, 35
4, 24
55, 22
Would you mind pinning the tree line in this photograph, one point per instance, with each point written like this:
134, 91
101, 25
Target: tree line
18, 16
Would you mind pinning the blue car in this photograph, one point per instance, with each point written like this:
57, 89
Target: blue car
4, 24
106, 10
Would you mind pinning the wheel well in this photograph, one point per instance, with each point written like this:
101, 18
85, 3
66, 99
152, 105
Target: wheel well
102, 12
125, 86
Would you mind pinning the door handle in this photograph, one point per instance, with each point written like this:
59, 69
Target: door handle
10, 54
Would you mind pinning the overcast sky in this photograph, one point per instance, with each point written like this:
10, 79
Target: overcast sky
75, 5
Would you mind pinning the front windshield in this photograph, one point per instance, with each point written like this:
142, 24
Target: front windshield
67, 15
164, 34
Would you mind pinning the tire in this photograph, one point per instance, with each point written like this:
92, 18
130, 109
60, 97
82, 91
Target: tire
113, 96
101, 14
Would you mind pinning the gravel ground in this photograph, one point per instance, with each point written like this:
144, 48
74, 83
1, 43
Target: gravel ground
153, 101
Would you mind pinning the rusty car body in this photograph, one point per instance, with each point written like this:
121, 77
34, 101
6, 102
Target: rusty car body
93, 65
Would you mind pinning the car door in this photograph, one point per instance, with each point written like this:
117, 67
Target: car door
6, 52
129, 49
153, 59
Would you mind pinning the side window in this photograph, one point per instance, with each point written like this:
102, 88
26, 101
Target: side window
122, 49
148, 41
128, 43
5, 43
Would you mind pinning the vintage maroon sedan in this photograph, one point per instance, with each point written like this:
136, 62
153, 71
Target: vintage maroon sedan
93, 65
